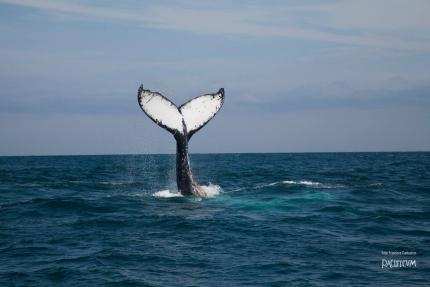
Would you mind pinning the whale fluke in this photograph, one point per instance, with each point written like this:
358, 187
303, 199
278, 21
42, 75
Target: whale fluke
199, 111
182, 122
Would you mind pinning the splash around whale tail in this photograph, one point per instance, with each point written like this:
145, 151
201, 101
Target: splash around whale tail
184, 120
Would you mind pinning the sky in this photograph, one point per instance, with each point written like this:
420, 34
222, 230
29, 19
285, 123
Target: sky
299, 76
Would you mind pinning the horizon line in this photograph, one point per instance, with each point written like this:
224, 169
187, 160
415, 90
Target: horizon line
216, 153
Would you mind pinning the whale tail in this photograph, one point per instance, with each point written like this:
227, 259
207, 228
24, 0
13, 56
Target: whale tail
185, 120
182, 122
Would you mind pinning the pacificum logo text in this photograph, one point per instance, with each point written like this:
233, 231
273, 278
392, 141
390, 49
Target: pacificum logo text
396, 263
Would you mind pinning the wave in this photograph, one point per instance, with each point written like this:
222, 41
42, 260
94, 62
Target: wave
307, 183
263, 185
211, 190
303, 182
167, 194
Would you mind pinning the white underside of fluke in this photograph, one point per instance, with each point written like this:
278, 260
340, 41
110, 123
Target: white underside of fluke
194, 113
161, 110
199, 111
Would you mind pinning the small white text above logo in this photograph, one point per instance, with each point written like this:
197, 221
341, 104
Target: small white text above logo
398, 259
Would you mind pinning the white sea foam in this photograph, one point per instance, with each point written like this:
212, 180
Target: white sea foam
302, 182
314, 184
211, 190
167, 194
258, 186
308, 183
289, 182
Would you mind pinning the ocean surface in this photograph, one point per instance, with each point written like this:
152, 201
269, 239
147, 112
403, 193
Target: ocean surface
314, 219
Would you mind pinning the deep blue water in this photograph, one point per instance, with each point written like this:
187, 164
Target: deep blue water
281, 220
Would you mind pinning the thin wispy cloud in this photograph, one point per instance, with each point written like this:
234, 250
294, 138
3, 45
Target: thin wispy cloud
381, 24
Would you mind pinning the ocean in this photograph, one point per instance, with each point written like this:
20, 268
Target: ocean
310, 219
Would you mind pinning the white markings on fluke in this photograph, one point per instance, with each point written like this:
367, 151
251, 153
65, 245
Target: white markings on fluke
194, 113
161, 110
199, 111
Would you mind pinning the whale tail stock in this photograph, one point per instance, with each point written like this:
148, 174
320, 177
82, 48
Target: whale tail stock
182, 122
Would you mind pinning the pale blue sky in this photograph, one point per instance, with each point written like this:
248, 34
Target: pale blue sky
299, 76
